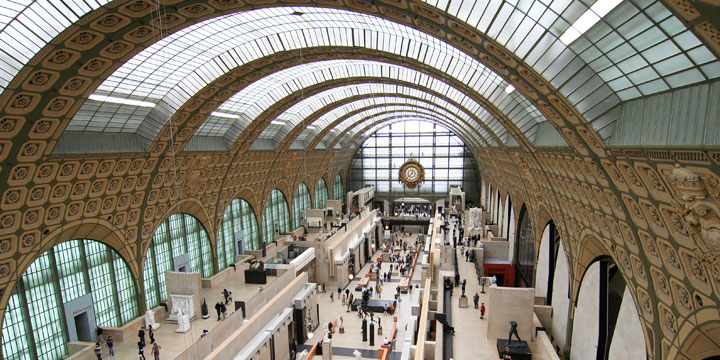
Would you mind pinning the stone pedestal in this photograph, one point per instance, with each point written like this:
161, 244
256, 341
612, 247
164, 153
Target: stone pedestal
341, 330
327, 349
463, 301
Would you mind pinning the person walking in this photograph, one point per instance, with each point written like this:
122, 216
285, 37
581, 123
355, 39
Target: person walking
476, 298
156, 351
111, 345
141, 335
141, 350
98, 350
482, 310
343, 299
331, 297
151, 334
218, 308
230, 300
223, 308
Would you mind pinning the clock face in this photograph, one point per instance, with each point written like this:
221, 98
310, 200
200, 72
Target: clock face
411, 173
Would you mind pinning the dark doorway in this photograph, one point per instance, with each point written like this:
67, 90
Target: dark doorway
82, 327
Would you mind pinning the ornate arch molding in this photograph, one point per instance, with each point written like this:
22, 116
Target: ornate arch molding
98, 230
695, 340
247, 194
189, 206
114, 20
292, 135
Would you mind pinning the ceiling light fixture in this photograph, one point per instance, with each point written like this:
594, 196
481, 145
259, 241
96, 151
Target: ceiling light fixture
509, 89
588, 19
277, 122
224, 115
117, 100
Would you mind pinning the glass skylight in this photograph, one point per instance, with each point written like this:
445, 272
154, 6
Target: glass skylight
172, 70
369, 120
388, 114
306, 107
263, 93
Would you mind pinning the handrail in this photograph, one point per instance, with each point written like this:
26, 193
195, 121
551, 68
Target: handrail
424, 310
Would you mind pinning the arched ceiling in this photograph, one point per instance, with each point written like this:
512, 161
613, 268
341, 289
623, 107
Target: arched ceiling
172, 70
630, 49
251, 101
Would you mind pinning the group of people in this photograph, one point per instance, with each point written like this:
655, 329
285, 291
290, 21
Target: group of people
141, 343
221, 307
110, 343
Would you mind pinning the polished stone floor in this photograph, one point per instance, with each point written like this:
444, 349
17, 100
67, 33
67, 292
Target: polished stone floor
172, 344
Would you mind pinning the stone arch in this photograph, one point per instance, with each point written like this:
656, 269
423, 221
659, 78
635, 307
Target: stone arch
700, 341
94, 229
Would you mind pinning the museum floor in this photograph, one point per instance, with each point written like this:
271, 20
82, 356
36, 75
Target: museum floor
172, 344
469, 342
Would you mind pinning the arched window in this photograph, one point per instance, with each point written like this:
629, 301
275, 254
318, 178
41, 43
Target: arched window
276, 212
35, 325
321, 194
525, 245
239, 216
338, 190
179, 234
301, 202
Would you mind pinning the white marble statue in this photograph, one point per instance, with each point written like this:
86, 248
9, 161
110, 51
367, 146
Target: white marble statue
150, 320
302, 355
357, 354
183, 322
181, 303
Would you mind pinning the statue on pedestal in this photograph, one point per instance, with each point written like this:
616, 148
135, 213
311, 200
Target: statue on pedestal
513, 330
150, 320
357, 354
183, 322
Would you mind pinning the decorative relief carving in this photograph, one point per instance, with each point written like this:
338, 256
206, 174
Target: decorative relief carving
701, 213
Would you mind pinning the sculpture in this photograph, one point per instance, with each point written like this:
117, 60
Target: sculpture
183, 322
302, 355
699, 196
204, 310
181, 304
357, 354
513, 330
150, 320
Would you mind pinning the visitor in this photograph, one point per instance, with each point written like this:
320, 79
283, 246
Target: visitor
223, 308
331, 297
476, 298
99, 332
141, 335
156, 352
151, 333
218, 308
98, 350
205, 332
141, 351
343, 299
225, 295
230, 300
111, 345
482, 311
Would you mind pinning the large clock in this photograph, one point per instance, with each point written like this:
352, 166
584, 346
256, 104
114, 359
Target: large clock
411, 174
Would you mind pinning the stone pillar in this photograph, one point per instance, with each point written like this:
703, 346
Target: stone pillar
327, 349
